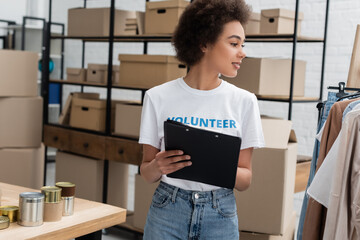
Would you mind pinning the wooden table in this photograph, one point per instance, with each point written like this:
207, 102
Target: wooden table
88, 217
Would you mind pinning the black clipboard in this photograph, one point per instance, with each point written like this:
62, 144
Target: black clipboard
214, 156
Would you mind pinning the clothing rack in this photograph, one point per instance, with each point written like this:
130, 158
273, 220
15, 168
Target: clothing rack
341, 94
342, 88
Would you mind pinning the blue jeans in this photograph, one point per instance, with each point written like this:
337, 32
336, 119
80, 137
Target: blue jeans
323, 116
182, 214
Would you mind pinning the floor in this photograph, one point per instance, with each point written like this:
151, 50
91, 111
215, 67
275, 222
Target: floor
121, 234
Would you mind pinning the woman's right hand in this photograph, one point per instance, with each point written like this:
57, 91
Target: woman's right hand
167, 162
156, 163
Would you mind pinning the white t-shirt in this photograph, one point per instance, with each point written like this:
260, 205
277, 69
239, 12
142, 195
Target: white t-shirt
225, 109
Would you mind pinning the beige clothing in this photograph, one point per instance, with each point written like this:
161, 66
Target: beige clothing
343, 216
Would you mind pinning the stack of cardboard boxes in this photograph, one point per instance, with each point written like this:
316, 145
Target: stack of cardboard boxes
21, 150
265, 209
273, 21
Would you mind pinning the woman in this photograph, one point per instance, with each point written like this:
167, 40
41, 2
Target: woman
209, 39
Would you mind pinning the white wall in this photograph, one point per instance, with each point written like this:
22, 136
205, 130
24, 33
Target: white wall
343, 17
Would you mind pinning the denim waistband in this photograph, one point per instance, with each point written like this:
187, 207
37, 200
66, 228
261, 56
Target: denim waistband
196, 196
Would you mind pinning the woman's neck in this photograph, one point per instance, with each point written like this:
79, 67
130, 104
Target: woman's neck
200, 78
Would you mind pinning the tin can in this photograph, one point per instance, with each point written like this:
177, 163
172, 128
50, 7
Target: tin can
31, 209
52, 203
10, 211
67, 196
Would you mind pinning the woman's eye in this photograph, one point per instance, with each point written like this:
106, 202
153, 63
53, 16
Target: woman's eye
242, 45
234, 44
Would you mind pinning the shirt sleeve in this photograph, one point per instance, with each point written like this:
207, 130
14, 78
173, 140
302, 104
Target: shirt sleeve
252, 133
148, 127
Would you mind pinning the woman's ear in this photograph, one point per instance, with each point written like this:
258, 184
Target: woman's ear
203, 48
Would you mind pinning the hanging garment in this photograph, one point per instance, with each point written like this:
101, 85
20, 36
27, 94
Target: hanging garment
323, 116
321, 185
343, 218
315, 216
350, 107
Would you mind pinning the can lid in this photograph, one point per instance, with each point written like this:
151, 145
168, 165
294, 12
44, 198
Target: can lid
8, 208
33, 195
68, 188
4, 222
52, 194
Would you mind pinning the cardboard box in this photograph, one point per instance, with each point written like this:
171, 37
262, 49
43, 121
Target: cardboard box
127, 119
88, 114
21, 122
143, 198
19, 71
76, 74
98, 73
23, 166
147, 71
279, 21
266, 76
267, 205
64, 117
163, 16
118, 184
253, 25
96, 21
86, 173
288, 235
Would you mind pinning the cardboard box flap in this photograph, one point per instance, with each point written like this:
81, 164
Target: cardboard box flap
148, 58
73, 71
88, 103
167, 4
277, 132
87, 95
292, 137
255, 16
280, 12
93, 66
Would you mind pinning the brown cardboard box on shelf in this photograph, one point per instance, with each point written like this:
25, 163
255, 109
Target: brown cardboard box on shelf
98, 73
143, 197
147, 71
88, 114
96, 21
86, 173
76, 74
253, 25
289, 233
279, 21
267, 205
19, 72
118, 184
127, 119
21, 122
162, 17
22, 166
267, 76
64, 117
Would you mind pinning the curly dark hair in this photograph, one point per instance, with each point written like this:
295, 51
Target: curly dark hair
201, 24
